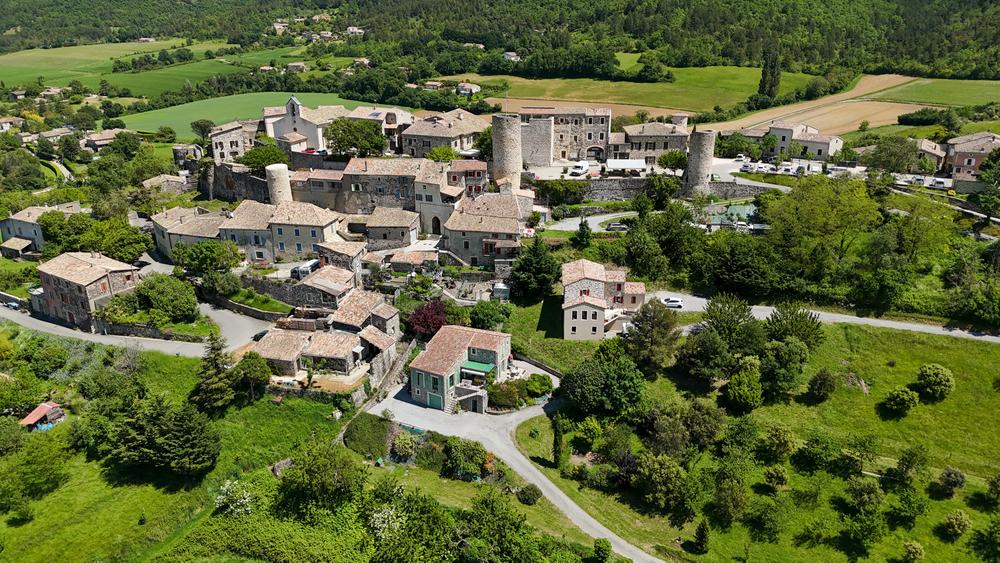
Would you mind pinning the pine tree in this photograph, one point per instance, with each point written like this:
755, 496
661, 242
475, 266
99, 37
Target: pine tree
215, 391
582, 237
190, 445
250, 375
139, 436
534, 271
700, 543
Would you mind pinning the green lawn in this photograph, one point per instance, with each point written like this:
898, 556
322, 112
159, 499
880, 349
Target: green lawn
779, 179
536, 332
224, 109
87, 63
543, 515
925, 131
944, 92
281, 55
260, 301
154, 82
695, 89
95, 517
629, 62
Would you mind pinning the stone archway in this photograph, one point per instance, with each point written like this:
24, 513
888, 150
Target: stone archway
595, 153
436, 226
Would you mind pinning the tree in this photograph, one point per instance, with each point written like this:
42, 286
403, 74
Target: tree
951, 480
660, 480
69, 148
173, 297
498, 531
821, 385
653, 338
790, 319
166, 134
912, 463
322, 474
703, 422
251, 374
865, 494
557, 440
12, 435
261, 157
989, 169
705, 356
109, 174
190, 442
956, 524
777, 444
865, 529
202, 128
909, 506
732, 318
146, 163
643, 254
125, 144
534, 271
484, 143
207, 256
731, 500
744, 393
701, 537
893, 154
214, 390
489, 315
986, 542
428, 318
935, 381
602, 550
900, 400
610, 383
583, 236
781, 366
988, 200
443, 153
912, 552
44, 149
361, 136
770, 72
673, 159
993, 489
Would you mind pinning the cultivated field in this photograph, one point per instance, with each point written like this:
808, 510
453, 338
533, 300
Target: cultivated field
227, 108
926, 131
944, 92
696, 89
155, 82
87, 63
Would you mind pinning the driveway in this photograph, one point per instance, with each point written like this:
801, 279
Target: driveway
496, 433
572, 223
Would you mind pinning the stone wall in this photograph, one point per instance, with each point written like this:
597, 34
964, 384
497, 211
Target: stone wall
144, 331
537, 141
230, 183
615, 189
502, 268
242, 309
295, 294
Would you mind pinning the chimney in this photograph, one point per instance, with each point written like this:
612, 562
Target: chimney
461, 115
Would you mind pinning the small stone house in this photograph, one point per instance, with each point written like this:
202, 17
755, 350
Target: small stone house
390, 227
23, 227
457, 129
594, 297
74, 285
187, 225
455, 365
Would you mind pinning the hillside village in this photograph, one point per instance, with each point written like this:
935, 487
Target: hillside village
663, 337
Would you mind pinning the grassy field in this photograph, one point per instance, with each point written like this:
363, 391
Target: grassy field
629, 62
154, 82
259, 301
227, 108
696, 89
954, 431
536, 332
87, 63
944, 92
925, 131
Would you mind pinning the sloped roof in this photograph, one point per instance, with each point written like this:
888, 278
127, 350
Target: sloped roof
39, 413
577, 270
32, 213
392, 217
585, 300
331, 345
655, 129
345, 248
250, 215
282, 345
302, 213
454, 123
355, 309
16, 243
82, 268
377, 338
330, 279
451, 344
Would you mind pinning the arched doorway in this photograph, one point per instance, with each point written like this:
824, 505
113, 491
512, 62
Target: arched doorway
436, 226
595, 153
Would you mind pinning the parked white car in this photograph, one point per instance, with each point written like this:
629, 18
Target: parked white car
741, 158
672, 302
580, 168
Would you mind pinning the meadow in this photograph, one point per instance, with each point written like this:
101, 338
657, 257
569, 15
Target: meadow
224, 109
956, 432
944, 92
695, 89
86, 63
924, 131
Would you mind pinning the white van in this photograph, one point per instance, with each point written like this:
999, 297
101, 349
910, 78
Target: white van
580, 168
305, 269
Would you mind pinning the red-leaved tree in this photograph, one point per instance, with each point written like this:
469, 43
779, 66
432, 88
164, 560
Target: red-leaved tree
426, 319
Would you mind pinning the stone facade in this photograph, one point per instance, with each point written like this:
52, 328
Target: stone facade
233, 182
537, 140
578, 133
76, 284
699, 169
647, 141
232, 140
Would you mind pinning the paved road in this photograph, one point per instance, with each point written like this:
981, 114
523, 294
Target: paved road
694, 303
572, 223
496, 433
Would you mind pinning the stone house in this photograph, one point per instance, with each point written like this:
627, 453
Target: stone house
392, 122
297, 228
8, 123
296, 67
53, 135
317, 186
808, 137
286, 123
457, 128
392, 227
568, 133
74, 285
413, 261
468, 89
647, 141
249, 226
101, 139
363, 308
966, 154
455, 365
187, 225
23, 231
932, 152
486, 228
343, 254
330, 284
185, 153
230, 141
594, 297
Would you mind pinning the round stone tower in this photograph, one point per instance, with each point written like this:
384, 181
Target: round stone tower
279, 185
701, 149
507, 148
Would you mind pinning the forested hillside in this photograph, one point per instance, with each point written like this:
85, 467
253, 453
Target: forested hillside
955, 38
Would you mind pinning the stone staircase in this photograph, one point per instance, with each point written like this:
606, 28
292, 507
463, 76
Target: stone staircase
449, 404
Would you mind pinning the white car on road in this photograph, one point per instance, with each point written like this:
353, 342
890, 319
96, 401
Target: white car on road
580, 168
672, 302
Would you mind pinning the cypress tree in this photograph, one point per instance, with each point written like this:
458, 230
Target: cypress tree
701, 537
215, 391
191, 445
557, 440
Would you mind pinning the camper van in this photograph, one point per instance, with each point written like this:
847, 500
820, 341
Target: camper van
305, 269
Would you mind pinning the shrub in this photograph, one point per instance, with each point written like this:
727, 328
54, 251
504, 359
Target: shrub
822, 385
538, 385
912, 552
935, 382
589, 431
430, 454
404, 445
234, 499
909, 506
865, 494
529, 494
900, 400
765, 519
744, 392
777, 444
818, 453
776, 477
464, 459
602, 550
951, 479
701, 537
368, 435
993, 489
506, 395
600, 477
956, 524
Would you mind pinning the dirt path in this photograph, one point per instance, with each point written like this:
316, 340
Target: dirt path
833, 114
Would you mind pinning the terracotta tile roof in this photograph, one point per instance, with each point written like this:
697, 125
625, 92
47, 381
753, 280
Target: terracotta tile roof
302, 213
577, 270
82, 268
372, 258
451, 345
453, 191
161, 179
655, 129
16, 243
549, 110
274, 111
632, 288
331, 345
975, 142
585, 300
317, 174
466, 165
39, 413
292, 137
481, 224
323, 114
282, 345
380, 113
454, 123
107, 135
616, 138
250, 216
392, 217
357, 307
344, 248
330, 279
488, 213
377, 338
204, 226
385, 311
414, 257
32, 213
225, 127
931, 147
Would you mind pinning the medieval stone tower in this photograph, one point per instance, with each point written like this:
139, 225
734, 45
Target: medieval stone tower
279, 185
507, 163
701, 149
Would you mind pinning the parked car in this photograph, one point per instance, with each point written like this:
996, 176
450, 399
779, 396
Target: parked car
304, 269
12, 305
917, 180
741, 158
580, 168
257, 337
672, 302
747, 167
622, 227
939, 183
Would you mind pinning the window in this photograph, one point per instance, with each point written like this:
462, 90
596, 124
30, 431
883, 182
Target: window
572, 329
259, 255
590, 136
418, 197
593, 315
256, 240
281, 231
434, 383
298, 247
454, 178
602, 137
970, 162
574, 315
633, 299
232, 237
312, 233
465, 244
297, 231
385, 236
782, 138
590, 121
281, 247
618, 287
593, 330
451, 380
602, 121
819, 152
428, 198
584, 292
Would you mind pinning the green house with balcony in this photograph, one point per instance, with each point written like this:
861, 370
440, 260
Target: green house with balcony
455, 367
